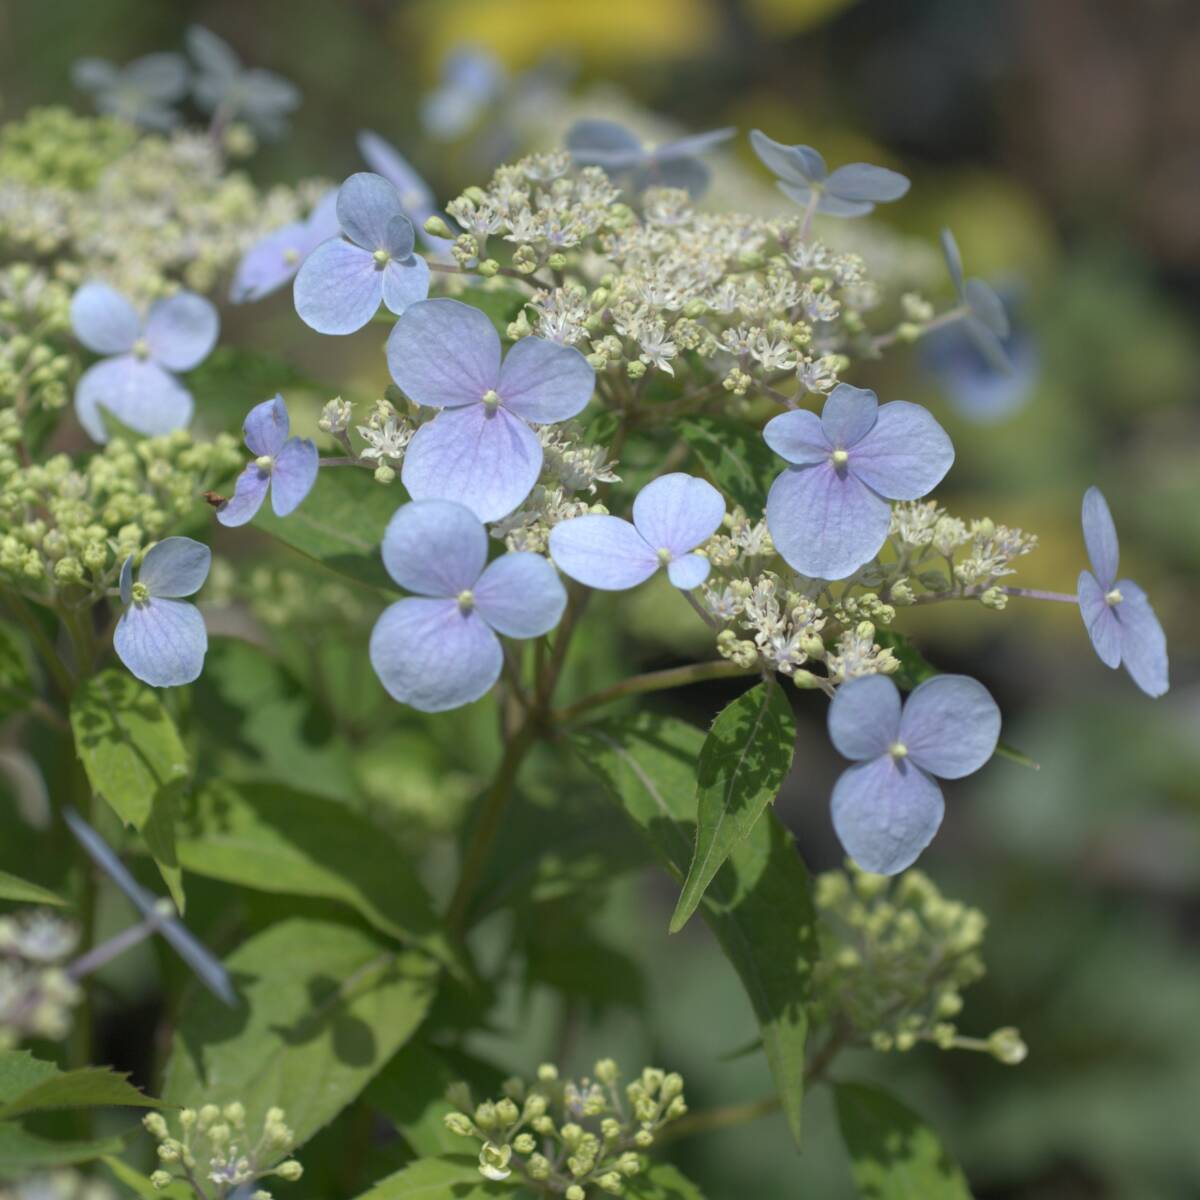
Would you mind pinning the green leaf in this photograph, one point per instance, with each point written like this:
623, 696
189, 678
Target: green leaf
233, 379
894, 1155
743, 763
914, 668
274, 839
12, 888
16, 682
29, 1085
340, 525
325, 1007
411, 1092
758, 903
21, 1151
135, 760
500, 304
741, 464
454, 1176
662, 1181
141, 1185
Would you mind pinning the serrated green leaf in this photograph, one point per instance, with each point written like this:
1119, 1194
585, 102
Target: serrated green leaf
734, 454
662, 1181
894, 1155
16, 681
275, 839
758, 904
12, 888
454, 1176
29, 1085
141, 1185
21, 1151
135, 761
743, 763
340, 524
325, 1007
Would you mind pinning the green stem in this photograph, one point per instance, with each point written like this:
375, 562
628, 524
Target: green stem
654, 681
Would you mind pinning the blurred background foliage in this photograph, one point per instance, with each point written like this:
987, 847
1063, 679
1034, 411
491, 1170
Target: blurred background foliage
1061, 140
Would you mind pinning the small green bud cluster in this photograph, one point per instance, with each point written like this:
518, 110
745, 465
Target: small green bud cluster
37, 995
895, 957
572, 1138
37, 362
68, 526
54, 148
214, 1155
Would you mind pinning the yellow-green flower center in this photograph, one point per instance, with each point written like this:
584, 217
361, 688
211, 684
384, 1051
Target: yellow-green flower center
141, 349
664, 555
291, 256
839, 458
382, 258
491, 400
466, 600
141, 593
1113, 598
264, 462
898, 750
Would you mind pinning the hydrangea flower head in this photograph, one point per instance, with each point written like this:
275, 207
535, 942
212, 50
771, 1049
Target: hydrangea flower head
849, 191
286, 466
607, 144
222, 84
275, 259
479, 450
141, 92
342, 282
888, 806
1117, 614
472, 78
828, 513
136, 383
672, 515
160, 639
986, 320
437, 649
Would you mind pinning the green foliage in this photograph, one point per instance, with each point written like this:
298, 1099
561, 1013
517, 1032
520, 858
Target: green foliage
341, 524
454, 1175
16, 682
29, 1085
894, 1155
743, 763
18, 890
758, 903
233, 379
135, 761
271, 838
662, 1182
325, 1007
22, 1151
141, 1185
741, 464
501, 305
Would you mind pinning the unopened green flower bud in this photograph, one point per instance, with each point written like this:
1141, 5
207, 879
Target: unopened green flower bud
538, 1167
235, 1113
155, 1125
1007, 1046
575, 1192
806, 681
459, 1123
507, 1112
543, 1125
489, 268
485, 1115
610, 1129
384, 474
524, 1143
208, 1114
557, 261
629, 1164
547, 1072
437, 227
635, 369
290, 1170
994, 597
161, 1179
643, 1138
606, 1072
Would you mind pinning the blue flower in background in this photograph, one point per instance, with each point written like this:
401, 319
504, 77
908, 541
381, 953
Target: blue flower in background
984, 320
672, 515
480, 450
438, 649
1116, 612
472, 80
274, 261
416, 196
137, 382
343, 281
161, 640
287, 466
829, 512
849, 191
141, 93
888, 806
621, 152
223, 86
976, 387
